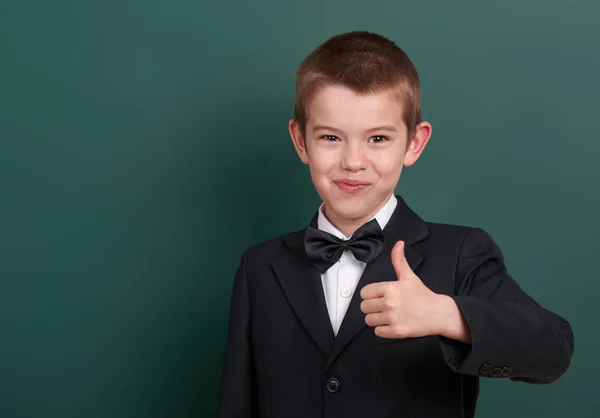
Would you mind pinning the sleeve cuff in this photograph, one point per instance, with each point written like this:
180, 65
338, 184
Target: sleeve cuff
455, 352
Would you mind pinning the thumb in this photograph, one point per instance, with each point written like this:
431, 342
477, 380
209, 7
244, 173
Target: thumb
399, 262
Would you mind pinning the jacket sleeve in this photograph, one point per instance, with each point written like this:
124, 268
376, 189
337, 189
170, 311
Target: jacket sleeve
512, 335
237, 388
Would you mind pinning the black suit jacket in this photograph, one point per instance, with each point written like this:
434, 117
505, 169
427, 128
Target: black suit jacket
283, 361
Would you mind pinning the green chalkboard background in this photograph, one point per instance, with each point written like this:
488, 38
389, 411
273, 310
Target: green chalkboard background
144, 146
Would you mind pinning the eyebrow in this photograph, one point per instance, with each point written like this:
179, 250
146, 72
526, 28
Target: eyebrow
388, 128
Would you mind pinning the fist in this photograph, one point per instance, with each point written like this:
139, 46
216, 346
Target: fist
405, 307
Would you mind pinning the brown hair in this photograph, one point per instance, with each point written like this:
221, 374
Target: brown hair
364, 62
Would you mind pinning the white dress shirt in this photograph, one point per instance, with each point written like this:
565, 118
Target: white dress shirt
340, 281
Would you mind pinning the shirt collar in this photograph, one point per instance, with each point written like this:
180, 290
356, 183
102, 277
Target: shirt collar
383, 216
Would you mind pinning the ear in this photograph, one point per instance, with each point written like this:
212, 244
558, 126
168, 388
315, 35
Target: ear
418, 142
298, 140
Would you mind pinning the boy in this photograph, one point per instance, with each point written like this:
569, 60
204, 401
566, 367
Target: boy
371, 311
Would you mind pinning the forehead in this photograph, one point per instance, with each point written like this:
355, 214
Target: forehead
342, 108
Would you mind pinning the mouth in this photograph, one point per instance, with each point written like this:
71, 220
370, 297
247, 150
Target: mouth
351, 186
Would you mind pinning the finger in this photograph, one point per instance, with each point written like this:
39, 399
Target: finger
374, 290
372, 305
401, 266
384, 331
376, 319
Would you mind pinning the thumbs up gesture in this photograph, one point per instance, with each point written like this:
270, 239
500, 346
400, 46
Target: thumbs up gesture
407, 308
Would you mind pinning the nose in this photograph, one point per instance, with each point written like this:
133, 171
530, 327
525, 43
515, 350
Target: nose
354, 157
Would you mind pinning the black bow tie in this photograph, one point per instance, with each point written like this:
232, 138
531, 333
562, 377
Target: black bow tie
324, 249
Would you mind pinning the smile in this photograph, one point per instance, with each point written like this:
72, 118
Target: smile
351, 186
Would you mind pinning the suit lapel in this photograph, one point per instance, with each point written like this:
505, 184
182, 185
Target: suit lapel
301, 283
403, 225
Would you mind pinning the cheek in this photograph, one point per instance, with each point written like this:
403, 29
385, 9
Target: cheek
388, 163
322, 162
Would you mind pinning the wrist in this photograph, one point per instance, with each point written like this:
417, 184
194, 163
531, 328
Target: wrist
452, 323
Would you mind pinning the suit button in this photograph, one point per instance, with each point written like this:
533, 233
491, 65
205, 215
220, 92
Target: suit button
485, 370
333, 385
496, 372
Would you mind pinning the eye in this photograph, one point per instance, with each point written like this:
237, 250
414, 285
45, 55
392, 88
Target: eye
330, 138
378, 138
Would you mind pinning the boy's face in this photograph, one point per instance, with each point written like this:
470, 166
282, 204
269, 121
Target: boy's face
355, 147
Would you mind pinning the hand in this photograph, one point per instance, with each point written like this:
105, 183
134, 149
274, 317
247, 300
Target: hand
407, 308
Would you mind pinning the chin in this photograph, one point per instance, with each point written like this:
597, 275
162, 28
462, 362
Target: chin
348, 209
